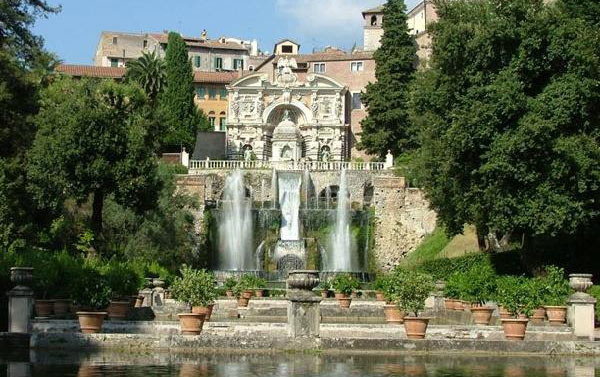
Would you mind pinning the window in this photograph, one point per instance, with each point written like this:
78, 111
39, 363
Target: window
201, 92
287, 49
356, 103
218, 63
197, 61
373, 20
222, 123
211, 121
115, 40
319, 67
212, 93
238, 64
223, 93
145, 44
356, 66
114, 62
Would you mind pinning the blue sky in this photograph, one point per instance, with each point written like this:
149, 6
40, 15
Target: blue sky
73, 33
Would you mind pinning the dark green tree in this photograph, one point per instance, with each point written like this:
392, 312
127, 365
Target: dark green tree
182, 118
149, 72
94, 141
387, 126
510, 117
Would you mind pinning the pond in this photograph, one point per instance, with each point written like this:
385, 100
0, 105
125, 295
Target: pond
126, 364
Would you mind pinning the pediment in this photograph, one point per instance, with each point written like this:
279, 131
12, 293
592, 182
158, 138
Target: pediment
255, 80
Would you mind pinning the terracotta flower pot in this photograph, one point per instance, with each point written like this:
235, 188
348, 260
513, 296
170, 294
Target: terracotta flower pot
379, 296
538, 315
503, 313
482, 315
557, 315
415, 327
91, 322
393, 315
449, 304
466, 306
62, 307
324, 294
514, 328
354, 294
206, 310
248, 293
44, 308
242, 302
343, 300
229, 293
117, 310
191, 323
259, 292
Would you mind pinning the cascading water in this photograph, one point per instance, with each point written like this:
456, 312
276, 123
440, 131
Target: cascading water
306, 187
235, 230
289, 202
342, 257
274, 189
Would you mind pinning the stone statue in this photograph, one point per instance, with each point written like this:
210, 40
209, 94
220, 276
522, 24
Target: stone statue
389, 160
325, 155
260, 106
314, 105
235, 105
338, 105
286, 116
285, 74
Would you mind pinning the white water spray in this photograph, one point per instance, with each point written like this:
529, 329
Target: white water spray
235, 231
289, 202
341, 239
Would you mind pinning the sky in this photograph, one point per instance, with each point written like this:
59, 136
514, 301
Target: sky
73, 33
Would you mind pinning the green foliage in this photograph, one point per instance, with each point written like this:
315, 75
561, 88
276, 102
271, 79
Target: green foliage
122, 279
94, 139
325, 285
477, 284
431, 246
595, 292
149, 72
345, 283
94, 292
391, 284
517, 294
509, 117
380, 282
454, 285
555, 289
387, 126
411, 289
230, 283
194, 287
182, 117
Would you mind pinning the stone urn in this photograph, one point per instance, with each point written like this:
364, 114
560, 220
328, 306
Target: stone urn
157, 283
305, 280
580, 282
21, 275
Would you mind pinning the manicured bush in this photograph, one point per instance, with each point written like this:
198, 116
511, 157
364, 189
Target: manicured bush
93, 291
555, 287
517, 294
345, 283
194, 287
123, 280
230, 283
454, 286
478, 284
595, 292
411, 289
379, 283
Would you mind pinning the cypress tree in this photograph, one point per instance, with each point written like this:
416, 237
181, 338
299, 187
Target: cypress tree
181, 116
387, 125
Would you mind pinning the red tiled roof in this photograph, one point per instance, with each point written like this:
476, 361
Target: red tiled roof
328, 56
118, 72
91, 71
197, 42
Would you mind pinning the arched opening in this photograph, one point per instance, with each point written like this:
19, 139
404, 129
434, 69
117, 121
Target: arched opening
248, 153
368, 193
328, 197
373, 20
325, 154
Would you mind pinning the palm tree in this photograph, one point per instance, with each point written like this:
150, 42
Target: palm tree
149, 72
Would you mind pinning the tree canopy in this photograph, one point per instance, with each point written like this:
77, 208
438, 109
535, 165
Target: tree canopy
149, 72
510, 116
94, 139
387, 126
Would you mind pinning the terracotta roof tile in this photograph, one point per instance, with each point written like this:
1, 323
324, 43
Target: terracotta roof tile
197, 42
328, 56
118, 72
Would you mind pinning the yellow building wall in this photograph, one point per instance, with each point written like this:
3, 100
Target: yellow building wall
214, 107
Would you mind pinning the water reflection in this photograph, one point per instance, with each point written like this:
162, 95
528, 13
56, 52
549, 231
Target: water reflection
123, 364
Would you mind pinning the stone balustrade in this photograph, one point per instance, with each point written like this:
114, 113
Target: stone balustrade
196, 165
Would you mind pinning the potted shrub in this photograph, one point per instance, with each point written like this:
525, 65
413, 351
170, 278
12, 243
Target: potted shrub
229, 285
410, 295
44, 284
188, 288
556, 292
478, 286
242, 291
92, 297
452, 291
344, 285
205, 281
259, 285
324, 287
66, 265
517, 296
379, 286
124, 283
393, 314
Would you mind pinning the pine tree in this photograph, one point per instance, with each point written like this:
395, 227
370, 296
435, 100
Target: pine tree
387, 125
181, 116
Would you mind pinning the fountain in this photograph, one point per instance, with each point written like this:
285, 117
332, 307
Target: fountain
235, 230
290, 251
341, 256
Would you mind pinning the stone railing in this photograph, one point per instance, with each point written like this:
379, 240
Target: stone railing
195, 165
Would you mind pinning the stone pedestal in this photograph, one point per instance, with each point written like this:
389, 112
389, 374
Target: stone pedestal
304, 312
581, 306
158, 293
147, 293
20, 301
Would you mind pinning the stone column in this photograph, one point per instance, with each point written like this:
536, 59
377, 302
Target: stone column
438, 296
581, 306
20, 300
158, 293
304, 312
147, 293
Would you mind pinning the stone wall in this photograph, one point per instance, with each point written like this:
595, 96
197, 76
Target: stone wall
402, 214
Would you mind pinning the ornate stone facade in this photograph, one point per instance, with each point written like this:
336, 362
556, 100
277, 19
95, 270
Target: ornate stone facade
287, 119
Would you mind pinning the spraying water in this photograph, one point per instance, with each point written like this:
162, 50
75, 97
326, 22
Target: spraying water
235, 231
274, 189
289, 202
341, 243
306, 185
